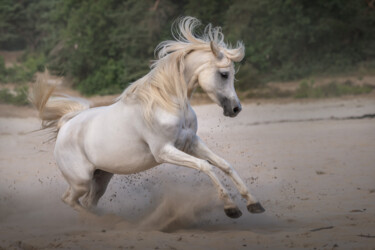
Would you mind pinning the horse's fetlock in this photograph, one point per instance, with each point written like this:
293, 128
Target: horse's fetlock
224, 194
243, 192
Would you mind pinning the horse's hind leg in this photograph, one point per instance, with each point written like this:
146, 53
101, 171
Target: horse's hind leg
76, 192
78, 174
77, 189
98, 186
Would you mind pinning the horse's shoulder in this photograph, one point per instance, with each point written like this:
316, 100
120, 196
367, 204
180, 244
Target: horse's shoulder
165, 118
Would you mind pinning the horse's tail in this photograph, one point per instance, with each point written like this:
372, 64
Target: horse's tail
54, 111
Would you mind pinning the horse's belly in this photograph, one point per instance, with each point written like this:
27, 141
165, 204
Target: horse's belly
130, 167
128, 159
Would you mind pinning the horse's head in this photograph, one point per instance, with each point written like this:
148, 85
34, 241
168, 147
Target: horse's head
204, 60
216, 78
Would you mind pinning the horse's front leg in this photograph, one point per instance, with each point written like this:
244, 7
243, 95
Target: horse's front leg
170, 154
200, 150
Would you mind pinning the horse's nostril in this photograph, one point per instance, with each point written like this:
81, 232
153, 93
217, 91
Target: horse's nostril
236, 110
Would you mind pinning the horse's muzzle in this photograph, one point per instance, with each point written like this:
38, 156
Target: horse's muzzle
231, 107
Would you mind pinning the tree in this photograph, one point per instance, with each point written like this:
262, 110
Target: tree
103, 45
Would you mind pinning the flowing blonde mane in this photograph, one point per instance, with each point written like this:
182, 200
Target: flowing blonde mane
165, 86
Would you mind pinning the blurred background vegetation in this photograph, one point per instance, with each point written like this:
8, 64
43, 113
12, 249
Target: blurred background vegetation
103, 45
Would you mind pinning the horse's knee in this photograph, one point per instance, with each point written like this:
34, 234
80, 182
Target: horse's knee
228, 170
206, 167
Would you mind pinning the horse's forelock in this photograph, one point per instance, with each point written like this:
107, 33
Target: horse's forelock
186, 39
236, 54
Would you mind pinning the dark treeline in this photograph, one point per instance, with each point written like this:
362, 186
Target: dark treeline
103, 45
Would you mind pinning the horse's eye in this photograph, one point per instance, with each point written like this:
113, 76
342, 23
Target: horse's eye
224, 75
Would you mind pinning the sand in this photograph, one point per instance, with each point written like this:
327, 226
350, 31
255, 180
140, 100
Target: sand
311, 164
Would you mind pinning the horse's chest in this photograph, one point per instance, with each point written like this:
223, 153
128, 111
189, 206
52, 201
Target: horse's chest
186, 134
179, 129
184, 139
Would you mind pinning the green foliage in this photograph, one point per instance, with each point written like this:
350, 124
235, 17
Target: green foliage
17, 97
11, 16
269, 92
292, 39
24, 72
24, 24
248, 77
106, 50
103, 45
102, 81
3, 70
333, 89
208, 11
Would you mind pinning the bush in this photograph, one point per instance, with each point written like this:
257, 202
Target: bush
248, 77
104, 81
305, 89
17, 97
333, 89
2, 69
269, 92
31, 63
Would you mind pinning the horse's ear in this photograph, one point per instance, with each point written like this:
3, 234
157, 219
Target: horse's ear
215, 50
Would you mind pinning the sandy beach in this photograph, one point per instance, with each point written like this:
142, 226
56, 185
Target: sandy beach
311, 164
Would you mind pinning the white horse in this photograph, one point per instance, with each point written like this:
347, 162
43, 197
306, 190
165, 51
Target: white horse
152, 121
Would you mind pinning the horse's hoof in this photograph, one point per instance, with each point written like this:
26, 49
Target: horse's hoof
233, 212
255, 208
